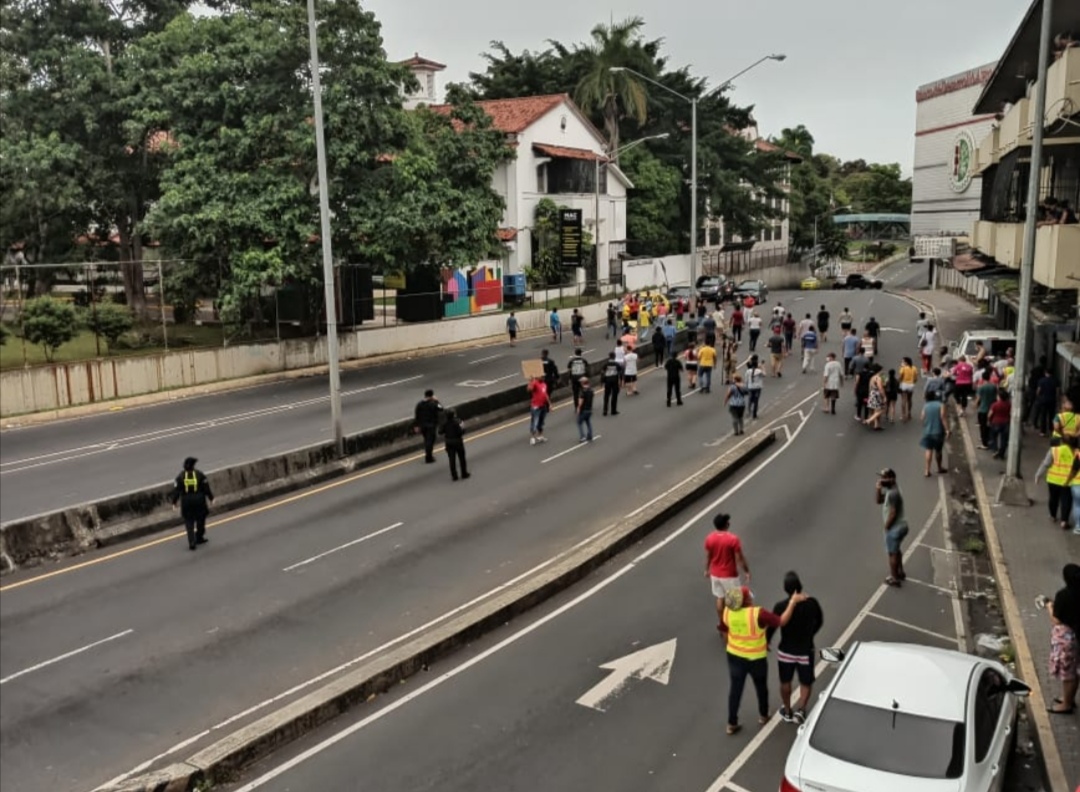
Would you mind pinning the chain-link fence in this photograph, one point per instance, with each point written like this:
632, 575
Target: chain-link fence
110, 308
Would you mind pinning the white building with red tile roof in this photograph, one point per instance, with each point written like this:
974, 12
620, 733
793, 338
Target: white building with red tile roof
561, 156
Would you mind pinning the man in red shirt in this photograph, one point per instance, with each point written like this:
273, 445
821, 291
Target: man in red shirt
723, 558
539, 405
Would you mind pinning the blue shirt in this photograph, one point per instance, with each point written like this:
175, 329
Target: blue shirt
669, 331
555, 319
851, 345
809, 340
932, 424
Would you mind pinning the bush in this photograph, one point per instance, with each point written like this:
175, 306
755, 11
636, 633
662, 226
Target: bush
50, 323
4, 333
110, 321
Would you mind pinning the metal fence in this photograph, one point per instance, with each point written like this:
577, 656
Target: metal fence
741, 262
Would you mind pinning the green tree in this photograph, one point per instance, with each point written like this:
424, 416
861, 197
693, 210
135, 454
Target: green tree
508, 76
49, 322
877, 188
652, 211
614, 95
4, 333
108, 320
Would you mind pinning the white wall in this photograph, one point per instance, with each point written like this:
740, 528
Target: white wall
65, 385
669, 270
936, 208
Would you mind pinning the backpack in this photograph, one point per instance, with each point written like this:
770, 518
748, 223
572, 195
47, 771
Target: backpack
738, 397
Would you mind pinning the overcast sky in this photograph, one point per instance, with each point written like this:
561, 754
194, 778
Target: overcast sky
850, 75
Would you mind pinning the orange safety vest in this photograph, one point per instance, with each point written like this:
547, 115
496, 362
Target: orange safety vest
1061, 468
745, 636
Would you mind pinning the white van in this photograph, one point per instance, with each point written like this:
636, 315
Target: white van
997, 343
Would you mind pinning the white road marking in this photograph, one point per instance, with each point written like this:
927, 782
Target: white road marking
724, 779
909, 626
56, 457
653, 662
485, 359
475, 383
354, 661
933, 586
570, 450
65, 656
508, 641
731, 785
324, 554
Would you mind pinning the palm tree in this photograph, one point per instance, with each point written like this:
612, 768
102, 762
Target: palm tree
614, 95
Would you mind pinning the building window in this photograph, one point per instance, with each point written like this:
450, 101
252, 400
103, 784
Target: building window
541, 178
565, 176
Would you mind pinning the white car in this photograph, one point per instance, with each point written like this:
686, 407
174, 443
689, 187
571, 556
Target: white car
907, 718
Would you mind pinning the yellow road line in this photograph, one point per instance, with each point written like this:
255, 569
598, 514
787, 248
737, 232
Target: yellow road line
307, 493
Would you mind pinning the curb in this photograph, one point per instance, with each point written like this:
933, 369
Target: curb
1036, 703
225, 759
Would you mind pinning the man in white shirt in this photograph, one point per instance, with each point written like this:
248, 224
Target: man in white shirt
630, 374
753, 324
832, 380
755, 381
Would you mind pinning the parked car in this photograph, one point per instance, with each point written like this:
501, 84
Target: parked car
810, 283
715, 289
856, 280
752, 288
680, 293
902, 717
996, 342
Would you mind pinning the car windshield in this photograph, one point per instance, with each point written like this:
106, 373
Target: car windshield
748, 285
890, 741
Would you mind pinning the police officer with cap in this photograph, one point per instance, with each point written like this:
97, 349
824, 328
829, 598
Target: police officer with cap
192, 492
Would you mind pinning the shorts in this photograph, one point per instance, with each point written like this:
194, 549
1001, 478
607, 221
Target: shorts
630, 378
1064, 654
832, 394
803, 666
776, 359
932, 442
845, 325
893, 537
513, 334
691, 366
720, 586
907, 387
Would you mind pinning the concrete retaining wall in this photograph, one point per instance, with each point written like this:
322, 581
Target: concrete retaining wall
33, 540
85, 382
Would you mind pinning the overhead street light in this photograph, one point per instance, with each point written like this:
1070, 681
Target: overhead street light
324, 233
693, 100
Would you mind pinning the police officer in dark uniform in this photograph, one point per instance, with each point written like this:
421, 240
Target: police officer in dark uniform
578, 368
192, 492
611, 374
427, 422
453, 431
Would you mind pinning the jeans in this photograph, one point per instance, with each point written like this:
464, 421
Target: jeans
984, 429
755, 400
1060, 501
789, 339
1075, 492
999, 439
704, 378
537, 415
737, 413
584, 424
758, 670
429, 441
736, 332
611, 330
754, 335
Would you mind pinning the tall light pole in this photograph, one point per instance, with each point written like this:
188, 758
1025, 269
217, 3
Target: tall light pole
327, 253
693, 100
596, 198
824, 214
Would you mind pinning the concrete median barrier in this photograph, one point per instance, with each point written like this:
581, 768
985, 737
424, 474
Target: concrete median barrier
34, 540
224, 760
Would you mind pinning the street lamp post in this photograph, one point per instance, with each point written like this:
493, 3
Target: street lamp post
327, 253
693, 100
823, 214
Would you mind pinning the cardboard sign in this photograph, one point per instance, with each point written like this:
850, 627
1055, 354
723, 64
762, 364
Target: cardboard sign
532, 368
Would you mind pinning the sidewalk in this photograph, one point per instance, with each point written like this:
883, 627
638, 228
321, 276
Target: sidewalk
1033, 550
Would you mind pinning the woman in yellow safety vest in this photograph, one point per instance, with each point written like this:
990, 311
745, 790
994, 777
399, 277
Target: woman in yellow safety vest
746, 626
1058, 469
1066, 422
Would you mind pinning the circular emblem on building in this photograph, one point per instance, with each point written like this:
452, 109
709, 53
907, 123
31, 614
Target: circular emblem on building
962, 165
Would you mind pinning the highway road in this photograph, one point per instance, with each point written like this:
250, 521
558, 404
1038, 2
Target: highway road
64, 463
141, 653
906, 275
520, 710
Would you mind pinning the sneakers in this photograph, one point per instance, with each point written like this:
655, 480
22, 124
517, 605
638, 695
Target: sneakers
532, 441
786, 715
800, 716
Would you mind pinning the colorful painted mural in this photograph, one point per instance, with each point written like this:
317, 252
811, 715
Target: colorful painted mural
470, 291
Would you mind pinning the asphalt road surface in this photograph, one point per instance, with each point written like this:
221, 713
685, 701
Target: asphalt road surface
142, 653
518, 711
65, 463
906, 274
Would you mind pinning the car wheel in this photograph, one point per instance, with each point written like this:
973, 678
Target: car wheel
878, 285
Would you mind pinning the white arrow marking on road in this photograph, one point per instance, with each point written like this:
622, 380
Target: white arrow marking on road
653, 663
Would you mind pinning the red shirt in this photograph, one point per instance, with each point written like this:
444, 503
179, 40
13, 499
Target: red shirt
963, 373
737, 319
538, 390
722, 547
1000, 413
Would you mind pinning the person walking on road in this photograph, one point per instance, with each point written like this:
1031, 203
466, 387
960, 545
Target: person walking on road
555, 323
908, 375
611, 329
669, 338
755, 382
512, 328
723, 560
706, 357
935, 428
584, 411
453, 432
891, 501
873, 331
849, 346
776, 352
738, 319
674, 369
1064, 663
823, 317
577, 327
192, 495
753, 325
735, 399
862, 377
927, 347
746, 627
551, 372
1057, 468
578, 367
691, 364
426, 422
985, 395
795, 653
809, 342
999, 418
539, 406
659, 345
611, 375
832, 380
788, 326
630, 372
875, 399
847, 322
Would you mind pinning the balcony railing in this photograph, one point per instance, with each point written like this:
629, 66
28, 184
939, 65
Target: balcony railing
1009, 244
1063, 87
1057, 256
983, 236
987, 153
1015, 127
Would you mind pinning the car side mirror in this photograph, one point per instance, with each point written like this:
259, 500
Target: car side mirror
832, 655
1018, 688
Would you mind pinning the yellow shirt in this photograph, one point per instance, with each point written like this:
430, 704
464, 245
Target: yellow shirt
706, 357
908, 375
